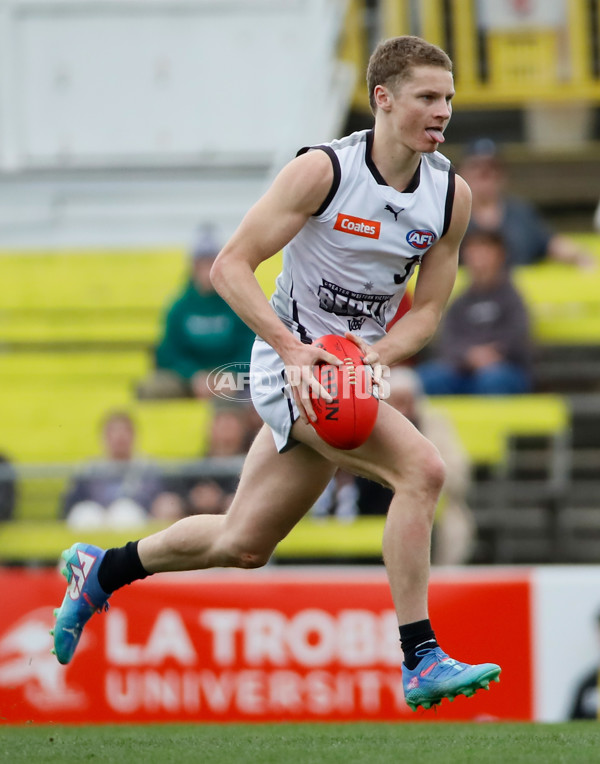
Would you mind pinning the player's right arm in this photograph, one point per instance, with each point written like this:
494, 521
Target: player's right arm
296, 193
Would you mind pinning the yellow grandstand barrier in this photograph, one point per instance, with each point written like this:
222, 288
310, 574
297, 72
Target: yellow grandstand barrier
44, 541
267, 273
95, 278
39, 499
86, 296
61, 425
45, 369
63, 428
485, 423
93, 297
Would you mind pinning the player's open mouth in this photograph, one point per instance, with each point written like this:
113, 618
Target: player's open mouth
435, 134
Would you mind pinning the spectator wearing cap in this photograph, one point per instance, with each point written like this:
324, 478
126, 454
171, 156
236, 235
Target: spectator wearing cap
200, 333
528, 239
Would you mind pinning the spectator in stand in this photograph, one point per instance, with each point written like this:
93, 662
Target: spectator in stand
8, 489
454, 526
586, 700
122, 488
484, 345
527, 238
201, 333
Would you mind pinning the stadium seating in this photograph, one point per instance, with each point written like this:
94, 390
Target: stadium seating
485, 423
75, 299
46, 434
76, 329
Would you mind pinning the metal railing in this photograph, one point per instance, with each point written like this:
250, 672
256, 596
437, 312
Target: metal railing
35, 490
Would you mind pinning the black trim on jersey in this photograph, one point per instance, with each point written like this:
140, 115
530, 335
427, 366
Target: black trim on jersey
449, 200
304, 338
369, 159
337, 175
414, 181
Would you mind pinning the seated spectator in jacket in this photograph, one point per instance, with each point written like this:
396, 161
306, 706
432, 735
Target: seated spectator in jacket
527, 237
201, 333
121, 488
483, 346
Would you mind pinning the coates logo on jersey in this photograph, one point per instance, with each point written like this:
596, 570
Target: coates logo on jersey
357, 226
420, 239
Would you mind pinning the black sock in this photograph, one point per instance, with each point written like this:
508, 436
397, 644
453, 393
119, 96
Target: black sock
416, 636
120, 566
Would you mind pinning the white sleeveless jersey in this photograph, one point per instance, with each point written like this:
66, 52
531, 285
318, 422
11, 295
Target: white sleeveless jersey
348, 267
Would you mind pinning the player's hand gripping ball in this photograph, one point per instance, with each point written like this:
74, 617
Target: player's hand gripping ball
347, 421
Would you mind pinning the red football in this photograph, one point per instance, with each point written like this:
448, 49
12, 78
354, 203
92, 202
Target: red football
347, 421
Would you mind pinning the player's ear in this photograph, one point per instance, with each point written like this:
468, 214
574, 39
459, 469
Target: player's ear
383, 97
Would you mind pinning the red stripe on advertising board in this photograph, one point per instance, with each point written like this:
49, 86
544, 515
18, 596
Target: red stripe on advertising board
254, 647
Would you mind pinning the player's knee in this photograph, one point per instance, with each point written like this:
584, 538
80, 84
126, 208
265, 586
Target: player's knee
240, 554
434, 471
424, 470
252, 559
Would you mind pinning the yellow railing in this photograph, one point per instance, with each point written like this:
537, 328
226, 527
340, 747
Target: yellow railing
495, 67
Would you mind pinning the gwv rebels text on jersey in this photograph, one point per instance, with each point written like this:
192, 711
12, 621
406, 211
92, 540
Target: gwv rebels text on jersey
357, 226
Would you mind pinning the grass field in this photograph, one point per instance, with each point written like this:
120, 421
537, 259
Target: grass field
445, 743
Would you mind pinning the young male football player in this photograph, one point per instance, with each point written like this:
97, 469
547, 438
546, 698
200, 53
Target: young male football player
353, 217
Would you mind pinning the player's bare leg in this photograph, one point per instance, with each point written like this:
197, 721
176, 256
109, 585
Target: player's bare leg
275, 492
397, 455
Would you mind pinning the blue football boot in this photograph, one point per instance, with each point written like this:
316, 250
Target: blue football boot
83, 598
438, 676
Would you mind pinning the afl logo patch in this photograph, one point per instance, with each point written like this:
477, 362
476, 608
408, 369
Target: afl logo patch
420, 239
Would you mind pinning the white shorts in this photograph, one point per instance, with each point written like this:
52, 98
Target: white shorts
271, 394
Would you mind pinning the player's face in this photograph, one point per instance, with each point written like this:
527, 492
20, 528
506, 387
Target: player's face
421, 107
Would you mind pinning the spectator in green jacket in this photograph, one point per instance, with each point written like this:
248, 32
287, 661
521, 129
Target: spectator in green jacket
201, 333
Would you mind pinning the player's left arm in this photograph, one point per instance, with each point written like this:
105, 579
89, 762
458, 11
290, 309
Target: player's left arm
437, 274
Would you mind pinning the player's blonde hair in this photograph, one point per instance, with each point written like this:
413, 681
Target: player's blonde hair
393, 60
